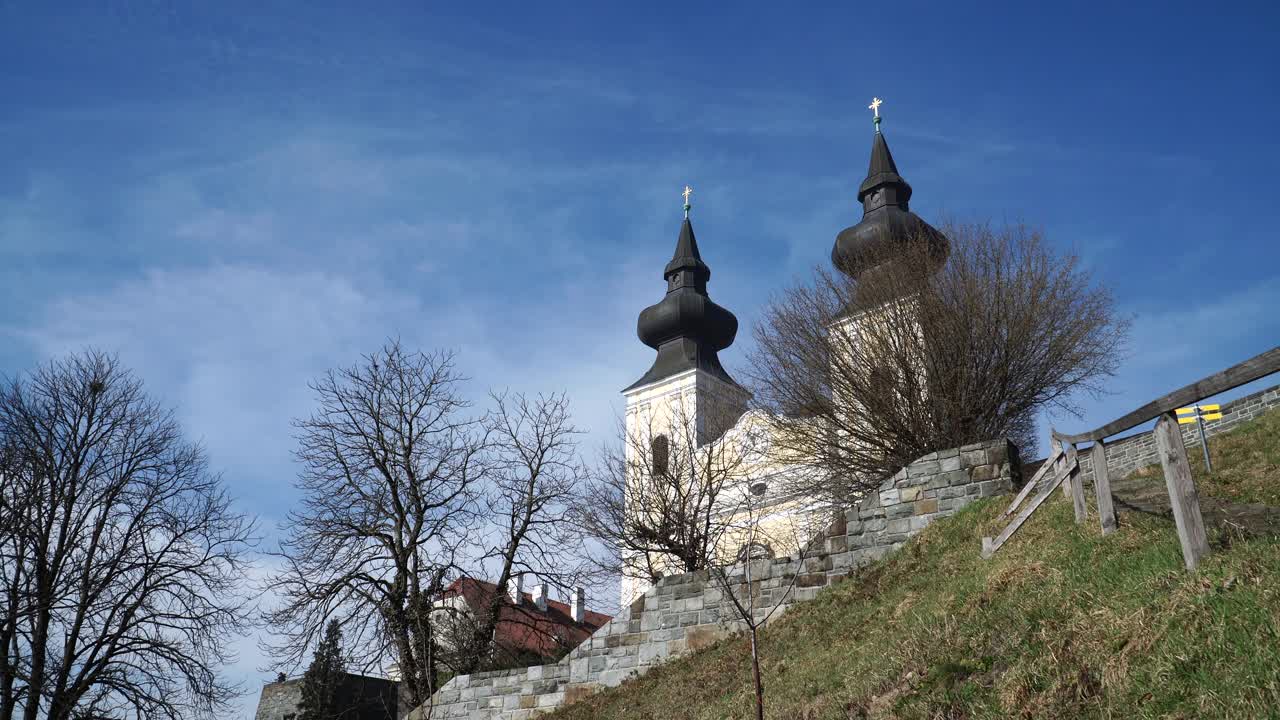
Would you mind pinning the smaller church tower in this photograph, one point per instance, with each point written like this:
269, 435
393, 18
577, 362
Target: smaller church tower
686, 399
688, 330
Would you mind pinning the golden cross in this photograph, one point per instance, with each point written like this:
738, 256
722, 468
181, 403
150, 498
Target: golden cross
875, 105
687, 192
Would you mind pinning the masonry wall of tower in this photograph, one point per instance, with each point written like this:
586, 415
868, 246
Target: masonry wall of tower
690, 408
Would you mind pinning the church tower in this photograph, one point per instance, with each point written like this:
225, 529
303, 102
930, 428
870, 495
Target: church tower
686, 399
889, 254
688, 330
888, 228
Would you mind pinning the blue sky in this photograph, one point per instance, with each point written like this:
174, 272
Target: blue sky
236, 196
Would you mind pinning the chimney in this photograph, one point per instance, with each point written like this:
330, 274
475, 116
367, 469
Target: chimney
578, 605
515, 586
540, 596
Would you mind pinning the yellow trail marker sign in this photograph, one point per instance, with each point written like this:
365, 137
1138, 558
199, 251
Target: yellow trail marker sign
1200, 414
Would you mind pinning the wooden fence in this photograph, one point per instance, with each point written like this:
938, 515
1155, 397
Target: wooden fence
1063, 469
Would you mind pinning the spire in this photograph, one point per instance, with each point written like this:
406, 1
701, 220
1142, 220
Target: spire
887, 224
686, 327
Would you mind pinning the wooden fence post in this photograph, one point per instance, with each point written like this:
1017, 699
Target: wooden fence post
1077, 487
1182, 490
1056, 445
1102, 487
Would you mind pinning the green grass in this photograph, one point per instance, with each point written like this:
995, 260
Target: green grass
1246, 463
1061, 623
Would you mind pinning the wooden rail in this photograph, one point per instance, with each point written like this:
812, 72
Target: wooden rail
1258, 366
1184, 499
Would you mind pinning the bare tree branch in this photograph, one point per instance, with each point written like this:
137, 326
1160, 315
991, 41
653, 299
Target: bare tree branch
391, 478
860, 378
121, 560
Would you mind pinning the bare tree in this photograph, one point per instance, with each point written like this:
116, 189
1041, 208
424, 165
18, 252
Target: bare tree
391, 474
660, 499
121, 561
536, 471
756, 526
861, 378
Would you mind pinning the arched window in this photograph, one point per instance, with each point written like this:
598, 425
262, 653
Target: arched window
660, 450
754, 551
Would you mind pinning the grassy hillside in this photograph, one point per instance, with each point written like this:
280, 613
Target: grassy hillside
1246, 463
1062, 623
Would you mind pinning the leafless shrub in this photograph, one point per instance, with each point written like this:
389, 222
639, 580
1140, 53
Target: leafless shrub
863, 377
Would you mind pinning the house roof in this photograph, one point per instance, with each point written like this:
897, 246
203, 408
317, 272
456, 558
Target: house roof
524, 627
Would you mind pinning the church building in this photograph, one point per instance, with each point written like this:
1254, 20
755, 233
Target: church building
688, 403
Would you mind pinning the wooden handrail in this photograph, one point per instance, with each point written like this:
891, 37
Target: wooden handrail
1258, 366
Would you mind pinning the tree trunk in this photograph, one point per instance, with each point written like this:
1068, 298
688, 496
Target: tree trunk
755, 669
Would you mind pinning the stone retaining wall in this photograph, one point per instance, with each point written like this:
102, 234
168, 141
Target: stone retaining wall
682, 613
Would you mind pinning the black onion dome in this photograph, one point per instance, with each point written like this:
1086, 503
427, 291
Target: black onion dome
887, 224
686, 327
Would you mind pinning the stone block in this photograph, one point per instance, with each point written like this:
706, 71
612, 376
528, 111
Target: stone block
926, 506
701, 637
898, 511
973, 457
910, 494
613, 678
811, 580
984, 472
922, 469
947, 464
921, 522
993, 487
653, 652
874, 526
900, 525
579, 670
889, 497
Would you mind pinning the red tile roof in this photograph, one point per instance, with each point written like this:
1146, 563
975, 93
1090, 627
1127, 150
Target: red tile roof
525, 627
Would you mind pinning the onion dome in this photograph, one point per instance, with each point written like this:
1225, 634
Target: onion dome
686, 327
888, 227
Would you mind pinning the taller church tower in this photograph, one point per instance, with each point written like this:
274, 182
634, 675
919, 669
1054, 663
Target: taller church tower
888, 228
889, 254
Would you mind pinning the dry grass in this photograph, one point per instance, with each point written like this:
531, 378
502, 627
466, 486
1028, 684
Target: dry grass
1246, 463
1062, 623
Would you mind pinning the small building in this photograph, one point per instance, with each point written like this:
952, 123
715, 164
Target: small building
360, 698
532, 628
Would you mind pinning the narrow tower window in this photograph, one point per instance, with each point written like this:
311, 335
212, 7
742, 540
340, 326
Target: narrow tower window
660, 449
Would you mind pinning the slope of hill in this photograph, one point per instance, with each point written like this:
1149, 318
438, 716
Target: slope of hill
1061, 623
